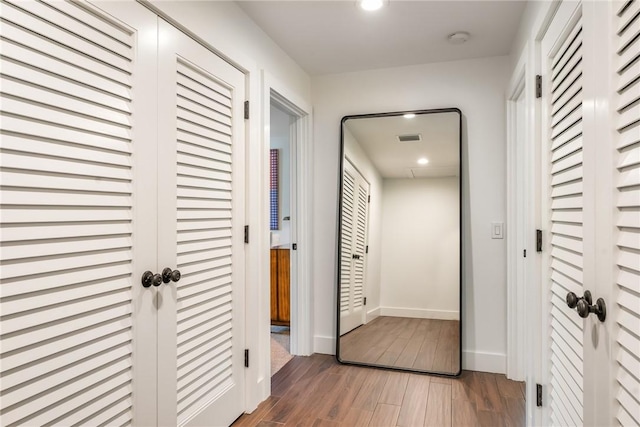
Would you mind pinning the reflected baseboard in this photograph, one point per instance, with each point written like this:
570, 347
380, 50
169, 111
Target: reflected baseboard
372, 314
484, 362
419, 313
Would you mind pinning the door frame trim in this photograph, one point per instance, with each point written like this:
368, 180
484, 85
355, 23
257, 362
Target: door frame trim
274, 90
519, 154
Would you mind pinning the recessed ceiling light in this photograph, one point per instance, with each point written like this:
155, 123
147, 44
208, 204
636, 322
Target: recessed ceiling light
458, 37
409, 116
423, 161
370, 5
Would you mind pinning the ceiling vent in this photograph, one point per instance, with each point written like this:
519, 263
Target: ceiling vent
414, 137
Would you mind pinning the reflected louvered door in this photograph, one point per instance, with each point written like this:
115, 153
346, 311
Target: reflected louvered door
76, 97
626, 100
355, 204
360, 247
346, 244
565, 192
201, 220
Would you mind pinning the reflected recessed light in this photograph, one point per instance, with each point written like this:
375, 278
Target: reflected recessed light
409, 116
370, 5
423, 161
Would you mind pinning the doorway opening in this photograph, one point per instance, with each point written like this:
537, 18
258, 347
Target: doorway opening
282, 231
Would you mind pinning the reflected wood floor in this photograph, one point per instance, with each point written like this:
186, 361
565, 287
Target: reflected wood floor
402, 342
318, 391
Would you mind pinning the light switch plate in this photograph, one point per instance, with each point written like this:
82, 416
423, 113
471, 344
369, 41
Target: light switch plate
497, 230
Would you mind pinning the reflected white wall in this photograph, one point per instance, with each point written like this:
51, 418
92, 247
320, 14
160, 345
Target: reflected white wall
420, 262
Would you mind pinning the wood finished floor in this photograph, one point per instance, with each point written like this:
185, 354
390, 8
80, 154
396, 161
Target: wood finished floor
423, 344
318, 391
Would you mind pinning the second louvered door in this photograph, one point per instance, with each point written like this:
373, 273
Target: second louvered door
566, 193
200, 232
592, 162
626, 283
355, 206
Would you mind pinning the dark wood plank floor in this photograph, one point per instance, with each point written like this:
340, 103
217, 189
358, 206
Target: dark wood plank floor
402, 342
318, 391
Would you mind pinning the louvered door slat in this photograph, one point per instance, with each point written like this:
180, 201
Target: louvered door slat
31, 41
203, 111
191, 80
567, 96
16, 13
50, 114
58, 84
74, 26
49, 132
627, 98
193, 350
67, 215
565, 199
37, 94
61, 67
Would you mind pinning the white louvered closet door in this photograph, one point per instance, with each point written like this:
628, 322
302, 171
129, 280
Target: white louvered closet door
355, 205
346, 244
78, 93
563, 85
626, 101
201, 233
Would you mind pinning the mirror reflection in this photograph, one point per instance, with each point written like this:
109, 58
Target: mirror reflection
399, 247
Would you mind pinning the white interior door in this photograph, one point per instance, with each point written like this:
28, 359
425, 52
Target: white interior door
92, 197
594, 366
566, 197
625, 299
201, 229
78, 114
355, 207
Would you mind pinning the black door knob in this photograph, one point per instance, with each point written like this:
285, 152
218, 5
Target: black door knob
148, 279
169, 275
583, 309
572, 300
599, 309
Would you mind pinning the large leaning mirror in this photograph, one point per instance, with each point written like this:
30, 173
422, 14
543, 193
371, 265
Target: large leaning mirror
399, 251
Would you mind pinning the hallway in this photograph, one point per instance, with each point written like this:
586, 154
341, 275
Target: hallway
318, 391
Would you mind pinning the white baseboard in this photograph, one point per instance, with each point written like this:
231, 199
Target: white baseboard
419, 313
484, 362
324, 345
372, 314
471, 360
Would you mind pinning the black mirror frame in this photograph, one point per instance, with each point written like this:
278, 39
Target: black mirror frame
339, 239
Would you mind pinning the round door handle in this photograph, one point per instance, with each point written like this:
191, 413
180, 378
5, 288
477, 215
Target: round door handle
572, 300
169, 275
148, 279
599, 309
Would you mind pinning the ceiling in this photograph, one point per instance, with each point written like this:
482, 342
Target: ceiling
332, 36
440, 144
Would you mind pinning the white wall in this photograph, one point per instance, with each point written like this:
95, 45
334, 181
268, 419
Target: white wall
476, 87
281, 140
357, 156
420, 269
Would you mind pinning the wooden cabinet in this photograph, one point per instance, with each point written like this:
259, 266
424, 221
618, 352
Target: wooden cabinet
280, 273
